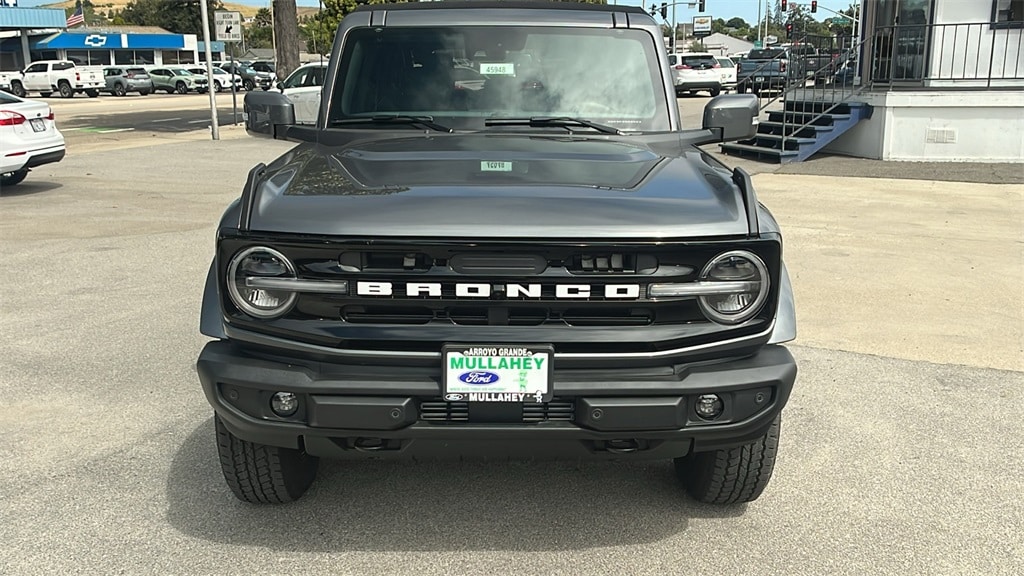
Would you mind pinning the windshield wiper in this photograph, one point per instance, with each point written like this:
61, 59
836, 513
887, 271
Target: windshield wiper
427, 121
547, 121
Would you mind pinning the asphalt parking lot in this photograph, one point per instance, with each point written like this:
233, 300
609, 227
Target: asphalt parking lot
900, 452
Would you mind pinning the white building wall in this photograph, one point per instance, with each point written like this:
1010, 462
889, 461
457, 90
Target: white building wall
973, 49
960, 126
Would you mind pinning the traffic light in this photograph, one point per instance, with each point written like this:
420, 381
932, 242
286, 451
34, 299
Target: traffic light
814, 6
700, 6
654, 9
784, 7
664, 11
789, 30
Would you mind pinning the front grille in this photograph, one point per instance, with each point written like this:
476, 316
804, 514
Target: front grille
437, 410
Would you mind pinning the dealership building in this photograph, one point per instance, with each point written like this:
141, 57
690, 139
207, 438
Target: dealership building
29, 34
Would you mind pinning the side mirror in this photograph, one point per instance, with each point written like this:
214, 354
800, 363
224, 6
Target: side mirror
280, 86
732, 117
268, 114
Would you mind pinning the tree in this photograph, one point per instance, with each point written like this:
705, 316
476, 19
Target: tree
737, 23
176, 16
286, 31
260, 33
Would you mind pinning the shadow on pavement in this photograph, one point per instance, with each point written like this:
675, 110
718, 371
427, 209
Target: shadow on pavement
436, 506
28, 187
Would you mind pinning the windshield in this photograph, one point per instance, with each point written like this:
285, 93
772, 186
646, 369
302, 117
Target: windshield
463, 75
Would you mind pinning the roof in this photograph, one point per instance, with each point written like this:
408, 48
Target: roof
112, 29
512, 5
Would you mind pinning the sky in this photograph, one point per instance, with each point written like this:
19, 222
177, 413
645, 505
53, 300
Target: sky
725, 9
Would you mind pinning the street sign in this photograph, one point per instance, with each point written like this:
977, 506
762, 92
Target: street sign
758, 45
701, 26
770, 39
841, 21
228, 26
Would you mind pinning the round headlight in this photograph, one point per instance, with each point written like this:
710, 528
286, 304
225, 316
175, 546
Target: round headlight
738, 268
252, 264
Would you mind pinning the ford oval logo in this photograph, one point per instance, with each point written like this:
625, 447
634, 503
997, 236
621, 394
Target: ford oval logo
478, 377
453, 397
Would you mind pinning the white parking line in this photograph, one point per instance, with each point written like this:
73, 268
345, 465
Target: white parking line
166, 120
198, 121
111, 130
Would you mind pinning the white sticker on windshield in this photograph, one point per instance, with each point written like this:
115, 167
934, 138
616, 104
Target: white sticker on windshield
489, 166
498, 69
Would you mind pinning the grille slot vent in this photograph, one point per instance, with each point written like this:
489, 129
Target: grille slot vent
437, 410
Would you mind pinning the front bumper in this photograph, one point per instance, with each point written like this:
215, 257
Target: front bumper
356, 411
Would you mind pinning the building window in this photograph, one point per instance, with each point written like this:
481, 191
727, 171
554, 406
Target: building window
138, 57
179, 57
89, 57
1008, 13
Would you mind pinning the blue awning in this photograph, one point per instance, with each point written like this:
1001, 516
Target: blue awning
26, 18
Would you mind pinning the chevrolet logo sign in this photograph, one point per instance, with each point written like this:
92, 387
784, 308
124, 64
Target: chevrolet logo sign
507, 290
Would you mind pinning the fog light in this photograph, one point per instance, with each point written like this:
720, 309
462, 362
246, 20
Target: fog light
284, 403
709, 406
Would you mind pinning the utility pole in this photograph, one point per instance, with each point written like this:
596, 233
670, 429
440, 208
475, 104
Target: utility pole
214, 128
675, 35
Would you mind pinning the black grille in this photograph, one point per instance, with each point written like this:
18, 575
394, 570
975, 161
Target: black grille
557, 410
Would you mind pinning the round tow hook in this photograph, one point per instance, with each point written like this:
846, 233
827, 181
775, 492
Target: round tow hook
622, 446
368, 444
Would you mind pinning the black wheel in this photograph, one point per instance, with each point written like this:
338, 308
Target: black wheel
201, 90
65, 90
92, 93
181, 88
143, 92
46, 94
217, 86
249, 85
263, 474
741, 88
715, 92
734, 475
18, 89
12, 178
119, 90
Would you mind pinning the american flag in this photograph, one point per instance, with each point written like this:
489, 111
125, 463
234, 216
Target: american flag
76, 18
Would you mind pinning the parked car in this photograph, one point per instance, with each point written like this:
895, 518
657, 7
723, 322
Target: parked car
303, 88
176, 79
251, 79
265, 67
695, 71
61, 76
222, 79
769, 69
28, 138
120, 81
728, 73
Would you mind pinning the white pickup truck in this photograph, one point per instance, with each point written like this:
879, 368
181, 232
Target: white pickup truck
61, 76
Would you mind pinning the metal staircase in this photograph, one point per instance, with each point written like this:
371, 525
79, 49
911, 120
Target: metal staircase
804, 119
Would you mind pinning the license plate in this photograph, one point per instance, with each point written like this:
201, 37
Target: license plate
38, 125
497, 373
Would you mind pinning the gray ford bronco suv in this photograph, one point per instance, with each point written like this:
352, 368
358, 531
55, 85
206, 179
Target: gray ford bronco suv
491, 245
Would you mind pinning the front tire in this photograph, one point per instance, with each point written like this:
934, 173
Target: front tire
217, 86
18, 89
181, 88
734, 475
263, 474
46, 94
12, 178
715, 92
119, 90
249, 85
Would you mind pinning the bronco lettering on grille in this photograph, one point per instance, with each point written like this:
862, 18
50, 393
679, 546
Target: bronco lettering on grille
483, 290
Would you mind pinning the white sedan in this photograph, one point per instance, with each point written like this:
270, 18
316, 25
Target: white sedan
28, 138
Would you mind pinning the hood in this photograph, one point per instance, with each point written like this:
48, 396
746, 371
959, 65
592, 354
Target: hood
496, 186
